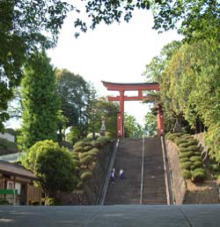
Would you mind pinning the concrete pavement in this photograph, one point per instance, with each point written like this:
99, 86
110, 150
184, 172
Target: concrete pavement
111, 216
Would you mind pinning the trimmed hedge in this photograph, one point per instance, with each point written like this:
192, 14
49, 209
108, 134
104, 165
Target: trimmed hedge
86, 175
190, 148
78, 149
185, 154
195, 158
198, 174
186, 174
186, 165
94, 151
86, 160
197, 164
189, 156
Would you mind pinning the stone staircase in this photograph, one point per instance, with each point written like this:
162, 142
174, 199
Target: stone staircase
154, 191
129, 157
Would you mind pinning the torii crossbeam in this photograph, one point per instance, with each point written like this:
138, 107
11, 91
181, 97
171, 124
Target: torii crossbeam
140, 87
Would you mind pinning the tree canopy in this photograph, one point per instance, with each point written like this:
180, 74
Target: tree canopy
40, 102
132, 128
25, 27
189, 78
102, 109
53, 165
74, 92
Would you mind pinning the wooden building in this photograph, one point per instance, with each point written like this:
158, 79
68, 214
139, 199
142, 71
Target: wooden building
17, 185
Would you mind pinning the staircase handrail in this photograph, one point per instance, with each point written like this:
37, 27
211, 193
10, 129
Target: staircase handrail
107, 179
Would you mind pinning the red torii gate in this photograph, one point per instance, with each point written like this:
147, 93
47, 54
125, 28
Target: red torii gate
140, 87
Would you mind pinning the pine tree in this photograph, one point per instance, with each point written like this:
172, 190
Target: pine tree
40, 102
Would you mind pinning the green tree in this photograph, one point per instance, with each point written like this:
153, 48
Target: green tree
53, 165
156, 67
132, 128
40, 102
101, 108
25, 27
190, 88
74, 92
187, 16
151, 124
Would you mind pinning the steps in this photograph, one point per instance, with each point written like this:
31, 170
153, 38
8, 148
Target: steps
129, 157
154, 184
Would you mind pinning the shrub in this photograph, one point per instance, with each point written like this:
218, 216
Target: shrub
185, 154
83, 155
78, 149
87, 140
186, 174
196, 164
86, 175
190, 148
94, 151
53, 165
86, 160
186, 165
87, 147
96, 143
198, 175
79, 185
189, 143
195, 158
180, 141
104, 139
76, 163
215, 167
184, 159
75, 155
197, 153
79, 144
51, 201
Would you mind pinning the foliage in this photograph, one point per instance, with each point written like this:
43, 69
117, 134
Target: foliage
103, 109
191, 81
155, 69
151, 124
190, 158
198, 174
62, 126
53, 165
75, 93
40, 102
187, 174
132, 128
188, 16
86, 175
25, 27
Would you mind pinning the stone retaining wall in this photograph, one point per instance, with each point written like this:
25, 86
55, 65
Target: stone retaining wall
177, 181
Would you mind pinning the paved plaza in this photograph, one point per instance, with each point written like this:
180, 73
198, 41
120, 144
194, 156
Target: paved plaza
116, 215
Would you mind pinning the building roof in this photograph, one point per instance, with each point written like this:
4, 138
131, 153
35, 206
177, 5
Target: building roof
16, 170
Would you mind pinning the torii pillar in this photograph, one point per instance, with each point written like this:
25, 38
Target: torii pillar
120, 117
140, 87
160, 120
